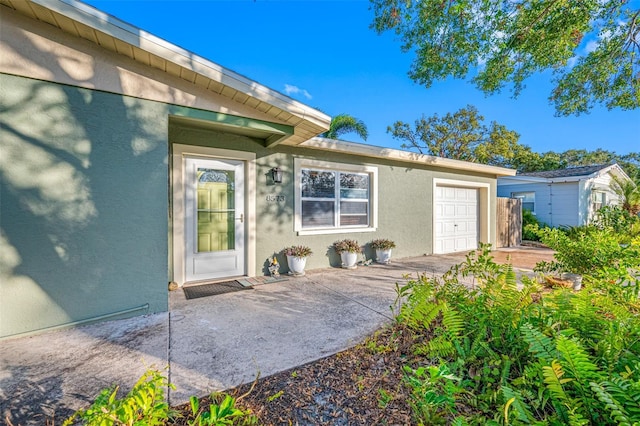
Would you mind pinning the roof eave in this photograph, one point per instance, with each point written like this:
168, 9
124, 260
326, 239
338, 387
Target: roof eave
312, 121
372, 151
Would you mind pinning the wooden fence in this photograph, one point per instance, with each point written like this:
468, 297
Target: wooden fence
509, 222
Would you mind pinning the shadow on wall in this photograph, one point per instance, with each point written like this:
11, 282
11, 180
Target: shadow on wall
82, 172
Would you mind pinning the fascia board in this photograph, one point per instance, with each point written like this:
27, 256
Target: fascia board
403, 156
135, 36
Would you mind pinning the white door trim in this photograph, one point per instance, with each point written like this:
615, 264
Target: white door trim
180, 152
484, 207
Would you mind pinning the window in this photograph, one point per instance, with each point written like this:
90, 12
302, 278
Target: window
599, 200
335, 197
528, 200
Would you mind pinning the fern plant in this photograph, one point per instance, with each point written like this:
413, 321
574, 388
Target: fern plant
523, 356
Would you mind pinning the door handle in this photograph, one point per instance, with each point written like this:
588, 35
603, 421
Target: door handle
241, 218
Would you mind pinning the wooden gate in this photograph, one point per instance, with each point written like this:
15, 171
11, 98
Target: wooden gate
509, 222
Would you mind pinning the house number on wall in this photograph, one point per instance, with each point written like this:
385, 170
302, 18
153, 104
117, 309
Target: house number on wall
276, 198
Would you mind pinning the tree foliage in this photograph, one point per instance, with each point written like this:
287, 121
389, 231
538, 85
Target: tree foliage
630, 163
344, 123
462, 136
629, 193
592, 46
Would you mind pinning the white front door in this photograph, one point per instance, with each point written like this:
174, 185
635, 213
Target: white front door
456, 219
214, 215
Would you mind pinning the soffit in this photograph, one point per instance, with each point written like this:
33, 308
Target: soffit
86, 22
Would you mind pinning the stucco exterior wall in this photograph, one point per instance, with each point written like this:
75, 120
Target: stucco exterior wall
405, 199
84, 204
85, 138
37, 50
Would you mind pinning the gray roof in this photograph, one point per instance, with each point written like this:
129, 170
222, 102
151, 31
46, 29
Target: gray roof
569, 172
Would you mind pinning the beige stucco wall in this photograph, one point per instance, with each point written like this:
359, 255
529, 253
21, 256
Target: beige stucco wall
37, 50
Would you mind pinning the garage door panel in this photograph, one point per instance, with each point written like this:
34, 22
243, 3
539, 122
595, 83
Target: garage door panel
449, 209
461, 210
456, 219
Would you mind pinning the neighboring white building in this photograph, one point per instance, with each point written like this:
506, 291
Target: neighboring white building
567, 197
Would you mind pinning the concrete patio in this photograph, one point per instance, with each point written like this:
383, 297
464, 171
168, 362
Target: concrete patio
206, 344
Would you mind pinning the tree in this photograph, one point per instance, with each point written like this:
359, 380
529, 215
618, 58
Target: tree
535, 162
463, 136
629, 193
592, 46
345, 123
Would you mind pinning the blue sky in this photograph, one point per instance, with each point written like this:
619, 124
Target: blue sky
324, 54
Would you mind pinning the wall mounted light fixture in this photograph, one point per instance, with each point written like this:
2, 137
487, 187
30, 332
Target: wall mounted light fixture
276, 175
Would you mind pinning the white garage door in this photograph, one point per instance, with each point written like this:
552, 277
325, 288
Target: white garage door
456, 219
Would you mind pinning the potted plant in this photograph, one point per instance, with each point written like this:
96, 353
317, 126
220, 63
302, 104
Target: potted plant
383, 248
297, 258
348, 251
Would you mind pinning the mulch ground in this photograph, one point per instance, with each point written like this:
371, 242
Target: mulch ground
359, 386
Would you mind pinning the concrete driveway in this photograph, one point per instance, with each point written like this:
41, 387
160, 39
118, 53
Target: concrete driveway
204, 345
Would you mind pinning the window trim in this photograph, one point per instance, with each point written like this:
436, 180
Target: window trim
603, 202
372, 171
520, 195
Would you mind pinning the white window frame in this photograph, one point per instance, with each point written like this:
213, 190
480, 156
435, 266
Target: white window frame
522, 196
302, 163
599, 199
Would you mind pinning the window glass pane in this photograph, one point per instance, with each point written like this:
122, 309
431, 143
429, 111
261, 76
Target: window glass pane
215, 212
333, 199
346, 220
318, 213
317, 184
349, 207
528, 199
354, 185
354, 213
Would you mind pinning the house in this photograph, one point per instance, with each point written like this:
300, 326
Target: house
128, 162
566, 197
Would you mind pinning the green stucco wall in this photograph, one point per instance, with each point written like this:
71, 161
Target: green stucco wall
85, 229
83, 204
405, 194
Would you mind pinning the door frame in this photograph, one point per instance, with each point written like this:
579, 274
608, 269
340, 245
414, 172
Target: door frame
484, 208
177, 221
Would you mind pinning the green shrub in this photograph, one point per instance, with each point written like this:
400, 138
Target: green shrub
510, 354
618, 221
144, 405
589, 250
222, 412
529, 224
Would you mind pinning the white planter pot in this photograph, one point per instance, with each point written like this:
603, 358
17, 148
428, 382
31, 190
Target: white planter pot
576, 280
349, 259
383, 256
296, 265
